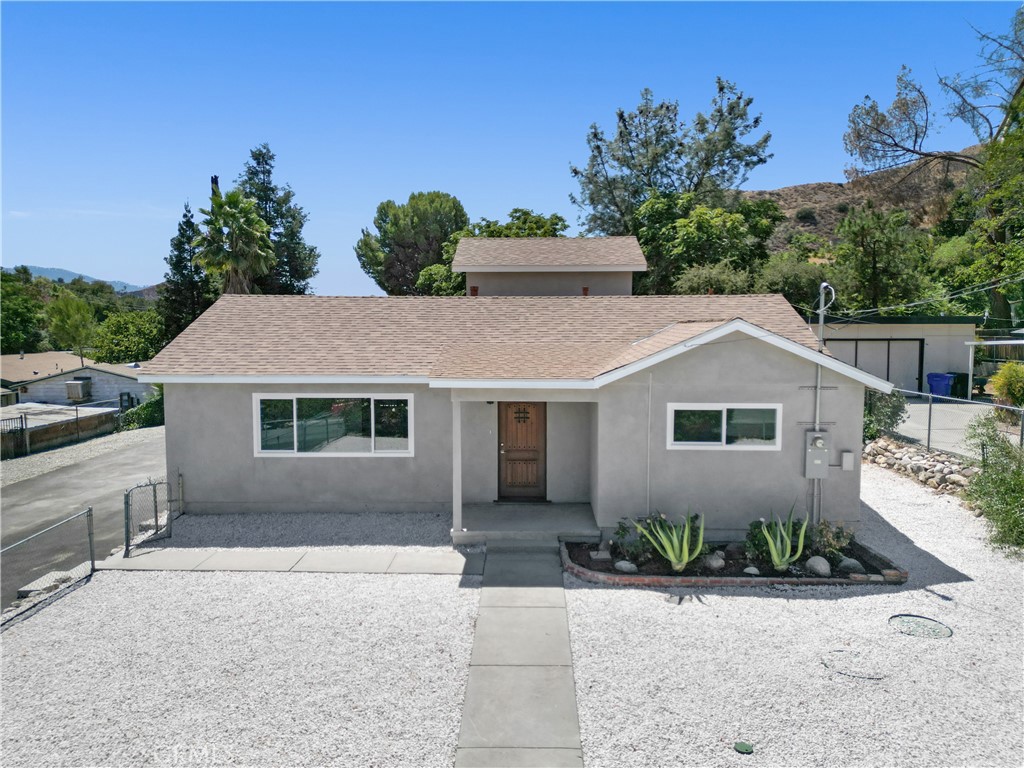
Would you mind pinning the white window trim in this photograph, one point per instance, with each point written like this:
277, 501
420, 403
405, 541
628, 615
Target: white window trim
674, 446
295, 453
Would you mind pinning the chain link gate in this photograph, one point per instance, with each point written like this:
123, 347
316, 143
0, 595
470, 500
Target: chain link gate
150, 509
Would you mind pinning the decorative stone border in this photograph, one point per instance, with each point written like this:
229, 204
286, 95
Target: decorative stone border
890, 574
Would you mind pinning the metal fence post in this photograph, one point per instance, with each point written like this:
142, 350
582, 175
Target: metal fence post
928, 437
127, 522
156, 512
92, 543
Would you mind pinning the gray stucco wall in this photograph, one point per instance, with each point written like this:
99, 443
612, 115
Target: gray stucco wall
105, 386
731, 488
550, 283
210, 441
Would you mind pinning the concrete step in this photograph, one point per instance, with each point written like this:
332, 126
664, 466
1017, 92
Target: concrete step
532, 544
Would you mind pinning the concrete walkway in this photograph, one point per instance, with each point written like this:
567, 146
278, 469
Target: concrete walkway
520, 705
335, 560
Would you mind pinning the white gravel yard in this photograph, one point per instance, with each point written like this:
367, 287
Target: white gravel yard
16, 470
260, 669
661, 681
312, 530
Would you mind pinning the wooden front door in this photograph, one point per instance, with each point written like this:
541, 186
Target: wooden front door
522, 450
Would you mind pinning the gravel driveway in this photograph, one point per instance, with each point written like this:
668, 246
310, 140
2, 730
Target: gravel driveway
662, 682
259, 669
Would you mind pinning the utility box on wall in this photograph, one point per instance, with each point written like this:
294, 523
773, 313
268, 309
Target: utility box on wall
816, 455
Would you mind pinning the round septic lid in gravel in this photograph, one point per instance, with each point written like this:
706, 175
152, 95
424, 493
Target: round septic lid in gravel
919, 626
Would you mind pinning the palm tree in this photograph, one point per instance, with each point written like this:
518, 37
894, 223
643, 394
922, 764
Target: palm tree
235, 241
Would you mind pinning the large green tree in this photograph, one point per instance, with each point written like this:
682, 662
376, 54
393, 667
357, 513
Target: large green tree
653, 151
128, 337
22, 318
408, 239
879, 262
796, 272
187, 289
439, 280
72, 323
234, 241
296, 261
677, 233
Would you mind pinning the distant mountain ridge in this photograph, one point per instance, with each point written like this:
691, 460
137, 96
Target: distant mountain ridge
56, 273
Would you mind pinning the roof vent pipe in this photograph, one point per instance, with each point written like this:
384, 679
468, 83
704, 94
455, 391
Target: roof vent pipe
586, 290
474, 290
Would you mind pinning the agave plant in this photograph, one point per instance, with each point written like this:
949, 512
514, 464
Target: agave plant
672, 540
780, 541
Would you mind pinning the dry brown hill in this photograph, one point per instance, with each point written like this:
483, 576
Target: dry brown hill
923, 189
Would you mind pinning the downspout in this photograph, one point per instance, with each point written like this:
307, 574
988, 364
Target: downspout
650, 436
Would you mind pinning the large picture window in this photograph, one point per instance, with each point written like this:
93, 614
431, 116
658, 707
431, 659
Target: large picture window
740, 427
331, 425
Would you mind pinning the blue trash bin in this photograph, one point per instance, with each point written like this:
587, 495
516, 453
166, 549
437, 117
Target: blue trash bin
940, 384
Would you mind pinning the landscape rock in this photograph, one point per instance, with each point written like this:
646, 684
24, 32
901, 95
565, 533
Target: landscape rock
735, 551
714, 562
850, 565
625, 566
752, 571
818, 566
944, 473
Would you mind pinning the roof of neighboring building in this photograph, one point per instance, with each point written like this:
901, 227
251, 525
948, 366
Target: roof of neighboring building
18, 368
550, 254
124, 370
521, 337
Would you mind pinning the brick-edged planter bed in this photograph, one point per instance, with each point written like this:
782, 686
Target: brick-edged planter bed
886, 573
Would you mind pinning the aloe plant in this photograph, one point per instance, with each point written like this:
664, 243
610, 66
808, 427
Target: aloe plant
780, 541
672, 540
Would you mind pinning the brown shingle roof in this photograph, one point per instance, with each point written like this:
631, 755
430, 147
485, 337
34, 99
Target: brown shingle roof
35, 365
453, 337
573, 253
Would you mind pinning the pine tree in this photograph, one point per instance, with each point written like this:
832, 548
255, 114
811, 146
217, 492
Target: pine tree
187, 289
296, 260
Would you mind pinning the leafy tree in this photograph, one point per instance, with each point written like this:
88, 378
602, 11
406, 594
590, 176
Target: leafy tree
296, 261
21, 313
409, 238
879, 261
128, 337
100, 296
187, 289
439, 280
72, 323
234, 242
792, 274
901, 134
677, 232
653, 151
718, 278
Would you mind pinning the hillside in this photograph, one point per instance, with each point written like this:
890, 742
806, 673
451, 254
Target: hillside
56, 273
923, 190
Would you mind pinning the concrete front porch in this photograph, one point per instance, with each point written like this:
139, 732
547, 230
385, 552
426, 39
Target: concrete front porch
508, 521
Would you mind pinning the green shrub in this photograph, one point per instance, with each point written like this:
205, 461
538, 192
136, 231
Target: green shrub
998, 490
829, 541
842, 208
883, 413
1008, 384
628, 544
806, 216
150, 413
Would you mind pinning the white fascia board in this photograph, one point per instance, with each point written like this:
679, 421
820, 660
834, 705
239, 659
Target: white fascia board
554, 268
158, 378
513, 384
755, 332
996, 343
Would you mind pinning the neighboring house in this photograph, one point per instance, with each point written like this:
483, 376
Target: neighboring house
18, 368
615, 405
75, 385
902, 350
549, 266
7, 397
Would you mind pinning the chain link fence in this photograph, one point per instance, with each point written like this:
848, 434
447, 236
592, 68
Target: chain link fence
150, 509
940, 423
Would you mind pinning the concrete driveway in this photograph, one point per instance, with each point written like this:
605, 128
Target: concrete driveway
35, 503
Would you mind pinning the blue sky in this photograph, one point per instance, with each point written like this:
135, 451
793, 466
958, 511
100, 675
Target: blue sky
113, 115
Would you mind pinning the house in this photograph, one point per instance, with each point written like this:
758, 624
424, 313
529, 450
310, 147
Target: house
570, 411
60, 378
902, 350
